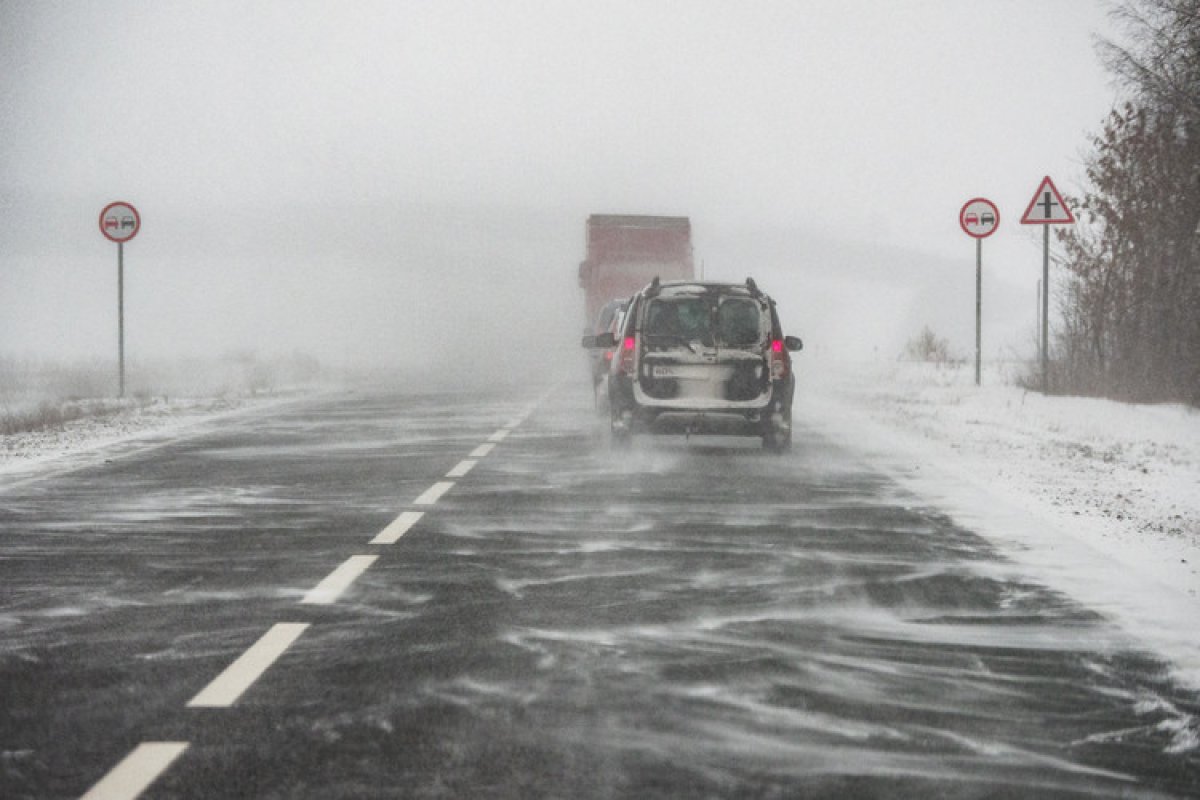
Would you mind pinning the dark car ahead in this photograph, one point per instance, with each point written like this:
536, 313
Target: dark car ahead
702, 358
607, 321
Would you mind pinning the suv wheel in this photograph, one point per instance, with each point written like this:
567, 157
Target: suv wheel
777, 438
621, 436
621, 440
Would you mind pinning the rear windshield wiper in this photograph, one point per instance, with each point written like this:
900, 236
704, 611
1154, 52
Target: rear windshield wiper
670, 338
752, 345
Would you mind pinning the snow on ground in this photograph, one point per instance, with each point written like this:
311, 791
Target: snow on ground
72, 444
1101, 499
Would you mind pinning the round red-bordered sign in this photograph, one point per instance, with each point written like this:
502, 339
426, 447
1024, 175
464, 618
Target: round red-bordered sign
979, 218
120, 222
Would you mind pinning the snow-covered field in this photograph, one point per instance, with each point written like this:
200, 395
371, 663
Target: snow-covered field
1099, 498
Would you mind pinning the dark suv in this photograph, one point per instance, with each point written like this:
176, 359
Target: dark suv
705, 358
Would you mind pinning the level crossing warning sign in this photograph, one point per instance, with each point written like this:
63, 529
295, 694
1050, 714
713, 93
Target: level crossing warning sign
1047, 207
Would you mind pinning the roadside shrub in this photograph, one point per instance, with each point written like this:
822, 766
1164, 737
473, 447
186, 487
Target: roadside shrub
927, 346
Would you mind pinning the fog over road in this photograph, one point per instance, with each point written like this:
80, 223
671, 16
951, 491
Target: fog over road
408, 594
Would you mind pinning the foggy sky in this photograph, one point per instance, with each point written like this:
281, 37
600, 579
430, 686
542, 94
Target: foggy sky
408, 181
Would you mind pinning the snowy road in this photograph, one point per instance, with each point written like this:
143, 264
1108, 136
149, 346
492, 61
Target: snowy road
426, 596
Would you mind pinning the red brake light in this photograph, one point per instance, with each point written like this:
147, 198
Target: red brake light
778, 358
625, 362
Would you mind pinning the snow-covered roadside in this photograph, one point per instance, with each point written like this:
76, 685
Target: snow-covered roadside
57, 448
1101, 499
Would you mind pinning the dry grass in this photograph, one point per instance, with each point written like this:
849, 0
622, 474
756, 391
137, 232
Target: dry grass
40, 395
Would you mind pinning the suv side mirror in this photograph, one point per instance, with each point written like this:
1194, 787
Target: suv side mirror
604, 341
793, 343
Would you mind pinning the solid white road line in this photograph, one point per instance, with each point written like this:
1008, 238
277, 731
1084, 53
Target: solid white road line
227, 687
433, 493
398, 527
482, 450
499, 435
338, 581
464, 466
136, 771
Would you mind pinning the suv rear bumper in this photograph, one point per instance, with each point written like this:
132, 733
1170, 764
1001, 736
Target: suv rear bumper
704, 422
674, 417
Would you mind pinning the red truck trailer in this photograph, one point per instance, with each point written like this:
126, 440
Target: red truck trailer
625, 252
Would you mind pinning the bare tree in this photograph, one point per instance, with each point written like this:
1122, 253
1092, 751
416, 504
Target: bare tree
1161, 63
1132, 306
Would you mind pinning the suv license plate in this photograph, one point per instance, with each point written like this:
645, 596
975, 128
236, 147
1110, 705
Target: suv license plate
667, 372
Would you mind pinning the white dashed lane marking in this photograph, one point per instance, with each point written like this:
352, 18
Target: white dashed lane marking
134, 774
339, 580
398, 527
433, 493
227, 687
136, 771
462, 469
482, 450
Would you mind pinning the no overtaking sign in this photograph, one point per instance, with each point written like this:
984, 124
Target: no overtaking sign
119, 222
979, 218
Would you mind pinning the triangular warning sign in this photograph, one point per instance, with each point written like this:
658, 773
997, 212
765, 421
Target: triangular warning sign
1047, 207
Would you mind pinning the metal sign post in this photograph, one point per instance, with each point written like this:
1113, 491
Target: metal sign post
979, 219
1051, 211
1037, 316
1045, 354
120, 222
121, 318
978, 310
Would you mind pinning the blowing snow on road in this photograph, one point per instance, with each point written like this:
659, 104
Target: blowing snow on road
411, 593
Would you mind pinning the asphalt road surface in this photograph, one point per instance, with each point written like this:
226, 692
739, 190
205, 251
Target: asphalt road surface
406, 594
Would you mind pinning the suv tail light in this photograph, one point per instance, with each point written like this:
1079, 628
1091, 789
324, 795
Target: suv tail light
779, 360
625, 362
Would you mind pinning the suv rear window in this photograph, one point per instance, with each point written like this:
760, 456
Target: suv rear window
738, 322
711, 320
